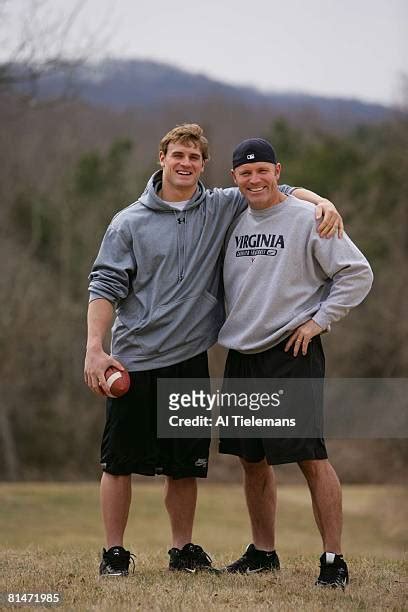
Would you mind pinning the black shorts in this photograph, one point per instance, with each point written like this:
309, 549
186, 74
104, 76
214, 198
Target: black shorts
275, 363
130, 443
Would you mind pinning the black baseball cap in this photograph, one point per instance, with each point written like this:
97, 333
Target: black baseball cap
253, 150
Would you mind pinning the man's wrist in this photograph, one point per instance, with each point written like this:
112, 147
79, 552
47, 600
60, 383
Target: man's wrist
94, 345
323, 201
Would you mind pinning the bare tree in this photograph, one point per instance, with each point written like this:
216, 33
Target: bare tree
48, 43
43, 43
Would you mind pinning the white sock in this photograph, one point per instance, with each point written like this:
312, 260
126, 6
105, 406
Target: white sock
330, 557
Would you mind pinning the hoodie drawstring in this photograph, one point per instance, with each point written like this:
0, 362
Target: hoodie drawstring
181, 244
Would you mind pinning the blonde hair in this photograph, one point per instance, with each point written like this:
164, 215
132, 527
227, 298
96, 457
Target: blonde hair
187, 133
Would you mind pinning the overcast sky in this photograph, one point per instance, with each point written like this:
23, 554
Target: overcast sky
347, 48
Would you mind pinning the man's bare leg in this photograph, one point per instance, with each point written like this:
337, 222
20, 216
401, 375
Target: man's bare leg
260, 493
325, 490
115, 494
181, 499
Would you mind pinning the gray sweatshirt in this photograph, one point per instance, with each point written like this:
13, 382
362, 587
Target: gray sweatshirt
161, 269
278, 273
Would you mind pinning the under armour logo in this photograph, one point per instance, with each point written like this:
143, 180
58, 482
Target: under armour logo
251, 156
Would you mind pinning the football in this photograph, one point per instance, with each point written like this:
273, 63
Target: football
118, 381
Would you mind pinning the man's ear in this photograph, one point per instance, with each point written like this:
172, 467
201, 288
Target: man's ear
161, 158
278, 170
233, 176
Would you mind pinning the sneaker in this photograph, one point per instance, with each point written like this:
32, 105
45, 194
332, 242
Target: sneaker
191, 558
115, 562
333, 571
254, 561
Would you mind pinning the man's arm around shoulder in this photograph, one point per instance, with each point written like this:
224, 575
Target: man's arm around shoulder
332, 222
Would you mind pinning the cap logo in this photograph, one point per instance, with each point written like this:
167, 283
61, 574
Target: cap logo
251, 156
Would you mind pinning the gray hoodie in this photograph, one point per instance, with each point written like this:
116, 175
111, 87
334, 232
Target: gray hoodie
161, 269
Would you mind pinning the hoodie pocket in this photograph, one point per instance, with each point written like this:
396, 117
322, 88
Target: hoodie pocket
179, 323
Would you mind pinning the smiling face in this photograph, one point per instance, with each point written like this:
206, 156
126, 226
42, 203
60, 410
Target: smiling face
258, 183
182, 166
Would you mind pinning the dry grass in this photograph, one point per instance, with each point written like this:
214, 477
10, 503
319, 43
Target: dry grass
51, 537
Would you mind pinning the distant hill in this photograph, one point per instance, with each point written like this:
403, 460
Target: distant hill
129, 84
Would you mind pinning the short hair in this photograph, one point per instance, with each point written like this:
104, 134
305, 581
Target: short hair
187, 133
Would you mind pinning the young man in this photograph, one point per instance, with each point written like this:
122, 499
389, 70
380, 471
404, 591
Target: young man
278, 302
158, 270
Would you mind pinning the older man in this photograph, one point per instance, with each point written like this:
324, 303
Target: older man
278, 302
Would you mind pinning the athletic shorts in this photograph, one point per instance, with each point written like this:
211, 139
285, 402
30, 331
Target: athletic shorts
130, 443
275, 363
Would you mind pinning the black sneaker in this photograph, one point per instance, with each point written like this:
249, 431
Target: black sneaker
254, 561
191, 558
115, 562
333, 571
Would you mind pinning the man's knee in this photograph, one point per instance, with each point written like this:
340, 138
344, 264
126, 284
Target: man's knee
255, 468
180, 483
315, 468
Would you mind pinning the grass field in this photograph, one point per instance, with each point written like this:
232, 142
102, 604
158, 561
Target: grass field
51, 537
